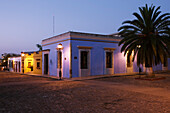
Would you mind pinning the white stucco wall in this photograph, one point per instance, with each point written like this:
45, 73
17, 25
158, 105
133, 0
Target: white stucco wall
119, 61
97, 57
53, 58
71, 41
15, 59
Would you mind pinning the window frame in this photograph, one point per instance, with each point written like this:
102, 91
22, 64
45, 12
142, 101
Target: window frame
38, 67
110, 65
85, 60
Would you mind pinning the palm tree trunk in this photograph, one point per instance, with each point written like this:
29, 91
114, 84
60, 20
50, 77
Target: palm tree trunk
149, 72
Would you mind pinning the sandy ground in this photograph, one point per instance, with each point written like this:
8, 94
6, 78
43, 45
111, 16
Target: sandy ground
27, 94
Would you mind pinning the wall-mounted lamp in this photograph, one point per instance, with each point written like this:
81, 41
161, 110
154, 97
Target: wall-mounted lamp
59, 46
22, 54
138, 46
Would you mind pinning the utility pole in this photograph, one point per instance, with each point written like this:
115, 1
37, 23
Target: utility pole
53, 25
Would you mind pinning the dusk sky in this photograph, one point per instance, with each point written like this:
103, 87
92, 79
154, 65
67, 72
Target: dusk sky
25, 23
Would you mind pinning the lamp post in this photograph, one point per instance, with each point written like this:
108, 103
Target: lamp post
59, 48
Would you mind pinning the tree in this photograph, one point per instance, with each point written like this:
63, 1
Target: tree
147, 36
5, 57
39, 46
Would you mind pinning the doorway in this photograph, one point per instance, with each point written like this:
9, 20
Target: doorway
16, 69
84, 69
46, 64
129, 64
109, 62
19, 66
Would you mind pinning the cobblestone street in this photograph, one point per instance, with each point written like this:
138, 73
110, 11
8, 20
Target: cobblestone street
28, 94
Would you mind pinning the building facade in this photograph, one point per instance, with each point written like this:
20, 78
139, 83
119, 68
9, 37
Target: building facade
14, 64
31, 62
86, 54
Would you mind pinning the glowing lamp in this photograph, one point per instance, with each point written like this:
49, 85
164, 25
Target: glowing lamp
23, 54
60, 46
138, 46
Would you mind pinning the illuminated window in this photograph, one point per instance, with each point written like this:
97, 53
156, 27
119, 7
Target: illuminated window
84, 60
109, 59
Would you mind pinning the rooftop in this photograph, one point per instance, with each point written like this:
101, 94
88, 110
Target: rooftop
72, 34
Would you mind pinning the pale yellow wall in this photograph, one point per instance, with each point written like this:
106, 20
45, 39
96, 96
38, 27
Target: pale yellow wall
39, 57
32, 58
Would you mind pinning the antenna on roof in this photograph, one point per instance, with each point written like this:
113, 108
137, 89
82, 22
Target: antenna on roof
53, 25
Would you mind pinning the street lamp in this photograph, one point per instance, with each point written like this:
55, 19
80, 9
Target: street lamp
138, 46
22, 54
59, 48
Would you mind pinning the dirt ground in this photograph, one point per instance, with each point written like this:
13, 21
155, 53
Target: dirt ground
27, 94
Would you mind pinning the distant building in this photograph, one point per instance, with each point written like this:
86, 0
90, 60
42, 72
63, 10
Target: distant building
14, 64
31, 62
1, 64
0, 61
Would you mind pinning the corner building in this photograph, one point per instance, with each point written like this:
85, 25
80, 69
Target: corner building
84, 54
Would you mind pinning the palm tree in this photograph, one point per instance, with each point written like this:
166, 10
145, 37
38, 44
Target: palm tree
147, 36
39, 47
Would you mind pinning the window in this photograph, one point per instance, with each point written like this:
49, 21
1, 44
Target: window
128, 60
29, 64
109, 59
84, 60
59, 60
38, 65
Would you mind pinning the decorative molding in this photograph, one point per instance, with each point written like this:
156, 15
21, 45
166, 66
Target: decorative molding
91, 40
109, 48
84, 47
45, 50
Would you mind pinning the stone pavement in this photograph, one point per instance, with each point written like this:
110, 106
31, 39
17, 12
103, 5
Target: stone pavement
83, 78
140, 89
23, 93
89, 80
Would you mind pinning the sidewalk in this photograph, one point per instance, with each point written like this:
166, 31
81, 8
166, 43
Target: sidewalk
83, 78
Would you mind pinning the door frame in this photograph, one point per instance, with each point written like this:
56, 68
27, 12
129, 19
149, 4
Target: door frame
62, 62
88, 61
109, 69
44, 63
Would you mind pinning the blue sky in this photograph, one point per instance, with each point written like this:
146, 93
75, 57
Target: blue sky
24, 23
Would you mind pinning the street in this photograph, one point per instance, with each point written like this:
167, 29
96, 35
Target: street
28, 94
